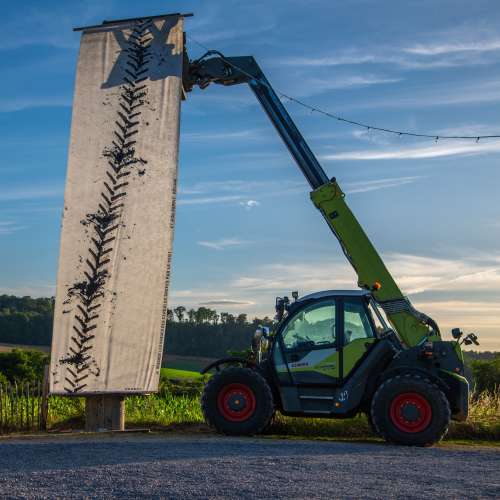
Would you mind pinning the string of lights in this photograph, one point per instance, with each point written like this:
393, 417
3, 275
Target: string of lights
339, 118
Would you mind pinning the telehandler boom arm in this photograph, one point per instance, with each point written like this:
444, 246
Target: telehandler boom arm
412, 326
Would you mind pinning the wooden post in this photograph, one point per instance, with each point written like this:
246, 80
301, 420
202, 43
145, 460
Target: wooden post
105, 413
44, 413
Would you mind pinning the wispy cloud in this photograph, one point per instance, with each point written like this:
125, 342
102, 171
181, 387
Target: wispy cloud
32, 289
209, 200
196, 194
224, 243
9, 227
223, 135
375, 185
218, 35
40, 25
30, 192
433, 49
19, 104
315, 85
227, 302
439, 150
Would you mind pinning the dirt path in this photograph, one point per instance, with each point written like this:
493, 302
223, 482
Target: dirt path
133, 465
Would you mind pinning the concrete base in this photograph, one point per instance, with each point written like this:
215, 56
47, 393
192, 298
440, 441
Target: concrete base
105, 413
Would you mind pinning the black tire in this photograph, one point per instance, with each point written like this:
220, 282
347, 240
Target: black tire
237, 401
410, 410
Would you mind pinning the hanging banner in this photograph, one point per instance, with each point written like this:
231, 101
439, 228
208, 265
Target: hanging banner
119, 209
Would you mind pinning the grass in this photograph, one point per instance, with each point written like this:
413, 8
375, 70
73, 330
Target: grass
173, 374
189, 363
177, 406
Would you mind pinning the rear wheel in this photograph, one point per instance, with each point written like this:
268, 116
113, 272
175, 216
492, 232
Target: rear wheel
237, 401
410, 410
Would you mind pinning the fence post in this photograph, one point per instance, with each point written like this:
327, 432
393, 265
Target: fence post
1, 408
105, 412
45, 399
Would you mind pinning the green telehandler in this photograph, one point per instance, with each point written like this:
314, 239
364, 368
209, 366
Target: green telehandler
335, 353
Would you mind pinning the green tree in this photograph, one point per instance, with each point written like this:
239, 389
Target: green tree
179, 312
241, 319
23, 365
486, 374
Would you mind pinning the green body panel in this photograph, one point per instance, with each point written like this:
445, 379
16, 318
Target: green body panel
352, 353
370, 268
459, 377
328, 365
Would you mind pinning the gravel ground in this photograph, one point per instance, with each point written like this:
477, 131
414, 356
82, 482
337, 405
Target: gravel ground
191, 466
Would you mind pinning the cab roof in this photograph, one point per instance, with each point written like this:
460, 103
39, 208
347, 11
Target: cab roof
334, 293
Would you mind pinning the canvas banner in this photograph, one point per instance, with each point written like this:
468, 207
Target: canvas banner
119, 209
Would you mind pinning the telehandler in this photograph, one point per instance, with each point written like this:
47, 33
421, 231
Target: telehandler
335, 353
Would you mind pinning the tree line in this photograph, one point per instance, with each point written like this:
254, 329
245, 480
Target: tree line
202, 315
193, 332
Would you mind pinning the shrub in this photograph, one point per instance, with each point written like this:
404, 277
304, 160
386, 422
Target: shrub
23, 366
486, 374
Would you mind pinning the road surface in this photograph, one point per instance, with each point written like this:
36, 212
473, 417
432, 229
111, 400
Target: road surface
192, 466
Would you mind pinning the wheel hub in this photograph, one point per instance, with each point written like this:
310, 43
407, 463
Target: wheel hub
236, 402
410, 412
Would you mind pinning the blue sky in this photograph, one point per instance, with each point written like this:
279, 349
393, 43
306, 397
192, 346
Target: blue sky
246, 230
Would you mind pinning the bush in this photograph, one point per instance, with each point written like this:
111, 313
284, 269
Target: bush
23, 366
486, 374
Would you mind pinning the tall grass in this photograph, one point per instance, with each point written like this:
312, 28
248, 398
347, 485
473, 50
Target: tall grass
183, 409
483, 421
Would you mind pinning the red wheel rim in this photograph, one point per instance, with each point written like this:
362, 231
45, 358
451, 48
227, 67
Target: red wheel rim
410, 412
236, 402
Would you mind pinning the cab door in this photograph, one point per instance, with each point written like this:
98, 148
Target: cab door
358, 333
309, 345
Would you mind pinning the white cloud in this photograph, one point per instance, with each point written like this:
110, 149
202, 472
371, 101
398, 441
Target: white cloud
224, 243
442, 148
33, 290
432, 49
20, 103
223, 135
196, 194
439, 287
374, 185
248, 205
227, 302
30, 192
209, 200
314, 85
9, 227
218, 35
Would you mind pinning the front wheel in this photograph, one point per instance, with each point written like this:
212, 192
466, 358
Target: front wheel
410, 410
237, 401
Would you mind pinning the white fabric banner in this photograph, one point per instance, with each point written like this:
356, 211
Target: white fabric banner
119, 209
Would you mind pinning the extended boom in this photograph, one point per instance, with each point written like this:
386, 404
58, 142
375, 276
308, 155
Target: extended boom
412, 326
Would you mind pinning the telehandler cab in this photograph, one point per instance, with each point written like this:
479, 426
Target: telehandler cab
335, 354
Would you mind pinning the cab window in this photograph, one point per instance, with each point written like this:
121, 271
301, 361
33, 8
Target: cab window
313, 326
356, 322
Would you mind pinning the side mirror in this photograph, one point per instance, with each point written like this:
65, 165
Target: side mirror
456, 333
295, 295
265, 331
280, 308
471, 339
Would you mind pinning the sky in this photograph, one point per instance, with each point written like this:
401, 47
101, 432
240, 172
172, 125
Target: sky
246, 230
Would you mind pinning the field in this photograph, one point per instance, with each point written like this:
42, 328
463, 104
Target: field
176, 407
190, 363
10, 347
